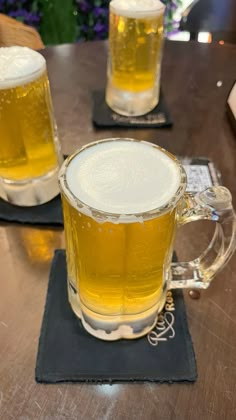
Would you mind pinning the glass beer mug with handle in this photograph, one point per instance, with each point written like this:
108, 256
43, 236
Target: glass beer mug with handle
29, 149
122, 201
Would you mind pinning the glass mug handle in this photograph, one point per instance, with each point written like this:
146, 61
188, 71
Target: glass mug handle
214, 204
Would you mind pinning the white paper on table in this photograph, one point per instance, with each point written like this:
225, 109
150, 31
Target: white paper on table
198, 178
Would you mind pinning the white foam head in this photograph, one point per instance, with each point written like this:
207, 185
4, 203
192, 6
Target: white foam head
123, 177
19, 65
137, 8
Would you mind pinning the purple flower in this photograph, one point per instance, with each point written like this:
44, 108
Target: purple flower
30, 18
13, 13
83, 6
33, 17
99, 11
99, 27
18, 13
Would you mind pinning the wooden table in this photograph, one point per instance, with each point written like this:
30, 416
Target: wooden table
190, 75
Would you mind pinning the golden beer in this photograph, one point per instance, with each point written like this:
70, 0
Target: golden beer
29, 146
117, 244
135, 50
117, 268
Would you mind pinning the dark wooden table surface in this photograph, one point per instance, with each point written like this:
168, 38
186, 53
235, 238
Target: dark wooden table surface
189, 79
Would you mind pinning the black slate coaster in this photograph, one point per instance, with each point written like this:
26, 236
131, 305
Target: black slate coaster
103, 116
45, 214
68, 353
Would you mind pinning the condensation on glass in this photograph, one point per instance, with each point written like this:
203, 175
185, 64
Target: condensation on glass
135, 55
30, 154
119, 241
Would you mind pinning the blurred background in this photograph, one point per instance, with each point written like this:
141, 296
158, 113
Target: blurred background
63, 21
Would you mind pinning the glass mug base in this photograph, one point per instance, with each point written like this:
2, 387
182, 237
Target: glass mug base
115, 327
30, 192
131, 103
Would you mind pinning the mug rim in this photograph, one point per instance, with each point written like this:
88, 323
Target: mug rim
101, 215
30, 76
154, 11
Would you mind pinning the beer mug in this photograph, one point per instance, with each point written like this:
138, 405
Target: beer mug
135, 53
29, 149
123, 200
